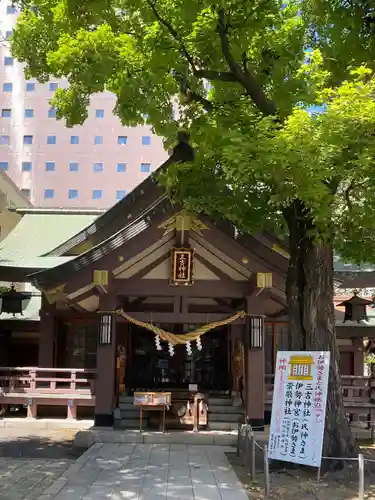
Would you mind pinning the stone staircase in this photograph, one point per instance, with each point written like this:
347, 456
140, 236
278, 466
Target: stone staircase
127, 415
223, 415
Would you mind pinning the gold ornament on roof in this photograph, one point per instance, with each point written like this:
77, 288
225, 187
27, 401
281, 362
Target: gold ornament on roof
183, 221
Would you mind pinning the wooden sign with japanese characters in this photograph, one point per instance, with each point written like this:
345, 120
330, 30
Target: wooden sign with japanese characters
299, 406
182, 266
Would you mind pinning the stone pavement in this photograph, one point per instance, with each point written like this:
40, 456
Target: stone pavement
148, 472
27, 479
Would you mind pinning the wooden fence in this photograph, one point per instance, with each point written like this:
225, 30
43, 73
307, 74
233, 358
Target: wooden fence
358, 394
32, 386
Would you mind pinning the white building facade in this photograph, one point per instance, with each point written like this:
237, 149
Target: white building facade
92, 165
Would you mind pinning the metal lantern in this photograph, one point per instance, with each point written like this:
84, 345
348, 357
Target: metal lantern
256, 332
105, 329
12, 301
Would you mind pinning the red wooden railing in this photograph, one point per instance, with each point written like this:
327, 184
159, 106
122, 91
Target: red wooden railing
358, 393
35, 386
47, 381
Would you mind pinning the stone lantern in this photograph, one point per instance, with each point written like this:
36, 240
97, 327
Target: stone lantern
355, 308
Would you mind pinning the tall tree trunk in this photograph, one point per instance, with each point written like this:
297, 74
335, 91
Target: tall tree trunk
312, 319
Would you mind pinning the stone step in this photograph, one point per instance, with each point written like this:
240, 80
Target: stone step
226, 409
129, 414
219, 401
127, 406
127, 424
126, 399
222, 426
89, 437
220, 417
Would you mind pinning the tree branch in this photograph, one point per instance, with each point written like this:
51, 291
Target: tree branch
347, 192
191, 95
173, 32
222, 76
245, 78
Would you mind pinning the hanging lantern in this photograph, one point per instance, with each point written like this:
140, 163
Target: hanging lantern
199, 344
256, 330
157, 343
105, 329
12, 301
171, 349
188, 348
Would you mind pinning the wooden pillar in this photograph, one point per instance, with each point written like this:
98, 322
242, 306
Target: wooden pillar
255, 372
4, 351
106, 370
46, 339
359, 357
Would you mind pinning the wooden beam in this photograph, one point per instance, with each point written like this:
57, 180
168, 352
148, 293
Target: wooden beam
145, 270
161, 288
223, 304
237, 252
136, 302
218, 272
181, 318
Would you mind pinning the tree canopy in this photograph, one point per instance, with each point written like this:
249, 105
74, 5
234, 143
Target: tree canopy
248, 79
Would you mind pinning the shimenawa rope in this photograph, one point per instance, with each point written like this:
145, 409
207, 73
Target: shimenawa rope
175, 339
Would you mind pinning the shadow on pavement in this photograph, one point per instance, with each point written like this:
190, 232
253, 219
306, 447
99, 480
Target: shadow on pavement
39, 447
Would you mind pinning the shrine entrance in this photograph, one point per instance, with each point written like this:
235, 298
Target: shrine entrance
152, 369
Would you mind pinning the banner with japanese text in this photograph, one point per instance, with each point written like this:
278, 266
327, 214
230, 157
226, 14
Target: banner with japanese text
299, 407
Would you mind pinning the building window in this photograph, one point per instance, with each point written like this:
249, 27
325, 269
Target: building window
4, 139
27, 166
49, 193
74, 139
146, 140
98, 139
27, 139
122, 139
11, 9
8, 61
50, 166
52, 86
3, 166
73, 166
6, 113
121, 167
98, 167
29, 113
8, 34
99, 113
145, 167
72, 194
51, 139
26, 192
96, 194
120, 194
52, 113
30, 86
7, 87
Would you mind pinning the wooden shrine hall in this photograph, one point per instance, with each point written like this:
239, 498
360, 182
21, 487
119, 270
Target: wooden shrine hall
150, 297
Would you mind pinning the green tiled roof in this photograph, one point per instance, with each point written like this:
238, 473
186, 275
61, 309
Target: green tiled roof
37, 234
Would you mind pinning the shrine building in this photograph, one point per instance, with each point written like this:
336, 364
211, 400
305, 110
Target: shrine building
147, 297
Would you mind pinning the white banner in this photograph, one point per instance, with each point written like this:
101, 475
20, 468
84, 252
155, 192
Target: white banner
299, 407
